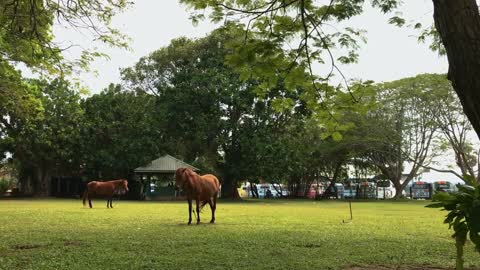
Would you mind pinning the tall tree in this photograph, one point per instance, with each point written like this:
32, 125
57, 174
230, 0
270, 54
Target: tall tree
120, 132
49, 142
405, 129
212, 115
203, 102
27, 40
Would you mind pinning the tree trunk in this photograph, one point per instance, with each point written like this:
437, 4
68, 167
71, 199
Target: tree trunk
254, 189
398, 189
458, 23
26, 182
278, 191
229, 187
396, 178
42, 182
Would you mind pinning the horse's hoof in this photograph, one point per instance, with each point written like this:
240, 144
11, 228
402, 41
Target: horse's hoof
198, 222
212, 221
189, 223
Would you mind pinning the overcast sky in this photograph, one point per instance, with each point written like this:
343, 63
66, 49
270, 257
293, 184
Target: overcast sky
391, 53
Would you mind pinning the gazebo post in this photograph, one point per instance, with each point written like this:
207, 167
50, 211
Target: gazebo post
142, 186
149, 186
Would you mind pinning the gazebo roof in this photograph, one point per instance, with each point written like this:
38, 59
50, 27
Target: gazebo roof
165, 164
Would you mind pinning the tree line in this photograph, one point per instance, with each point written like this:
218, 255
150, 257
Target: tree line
184, 100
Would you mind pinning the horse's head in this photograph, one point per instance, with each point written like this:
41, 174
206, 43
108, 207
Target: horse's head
180, 177
122, 186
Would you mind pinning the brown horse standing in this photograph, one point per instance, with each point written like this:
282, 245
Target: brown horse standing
201, 188
106, 189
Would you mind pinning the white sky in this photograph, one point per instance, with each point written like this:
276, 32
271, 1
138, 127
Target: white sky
391, 53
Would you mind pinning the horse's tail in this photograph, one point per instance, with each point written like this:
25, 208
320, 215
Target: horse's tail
219, 192
85, 195
203, 205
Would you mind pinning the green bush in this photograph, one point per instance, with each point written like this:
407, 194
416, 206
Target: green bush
463, 216
4, 185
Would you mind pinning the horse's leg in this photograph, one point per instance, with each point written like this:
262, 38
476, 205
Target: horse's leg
189, 211
108, 200
213, 211
111, 200
89, 200
214, 207
198, 210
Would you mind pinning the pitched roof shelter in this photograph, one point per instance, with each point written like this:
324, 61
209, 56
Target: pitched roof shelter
156, 177
164, 165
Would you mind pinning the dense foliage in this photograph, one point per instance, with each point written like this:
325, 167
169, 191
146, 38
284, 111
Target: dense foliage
235, 103
185, 101
463, 215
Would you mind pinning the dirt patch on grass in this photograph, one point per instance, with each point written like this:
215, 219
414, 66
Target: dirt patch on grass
309, 245
73, 243
372, 267
27, 246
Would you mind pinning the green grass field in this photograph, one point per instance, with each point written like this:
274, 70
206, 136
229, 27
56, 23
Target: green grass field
62, 234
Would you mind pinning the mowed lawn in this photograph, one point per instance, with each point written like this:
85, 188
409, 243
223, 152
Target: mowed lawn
286, 234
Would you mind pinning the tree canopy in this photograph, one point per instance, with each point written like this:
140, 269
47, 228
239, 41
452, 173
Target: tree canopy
270, 27
27, 40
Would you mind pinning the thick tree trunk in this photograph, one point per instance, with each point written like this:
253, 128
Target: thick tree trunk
42, 182
229, 188
398, 189
26, 182
394, 174
458, 23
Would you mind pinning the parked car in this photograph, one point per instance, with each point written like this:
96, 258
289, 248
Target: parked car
385, 189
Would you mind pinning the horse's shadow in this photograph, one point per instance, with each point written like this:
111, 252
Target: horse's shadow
193, 224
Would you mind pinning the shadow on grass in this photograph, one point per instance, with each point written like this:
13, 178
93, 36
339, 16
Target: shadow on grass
29, 246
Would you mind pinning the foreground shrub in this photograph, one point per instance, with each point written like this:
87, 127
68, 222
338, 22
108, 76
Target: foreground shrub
463, 215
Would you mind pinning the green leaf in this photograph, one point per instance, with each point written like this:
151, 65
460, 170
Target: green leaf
435, 205
396, 20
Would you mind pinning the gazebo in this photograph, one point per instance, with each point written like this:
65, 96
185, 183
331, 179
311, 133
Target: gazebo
157, 177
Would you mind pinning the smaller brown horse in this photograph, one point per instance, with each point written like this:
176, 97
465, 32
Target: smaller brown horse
201, 188
106, 189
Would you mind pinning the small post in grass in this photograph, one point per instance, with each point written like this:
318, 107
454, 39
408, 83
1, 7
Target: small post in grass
351, 216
